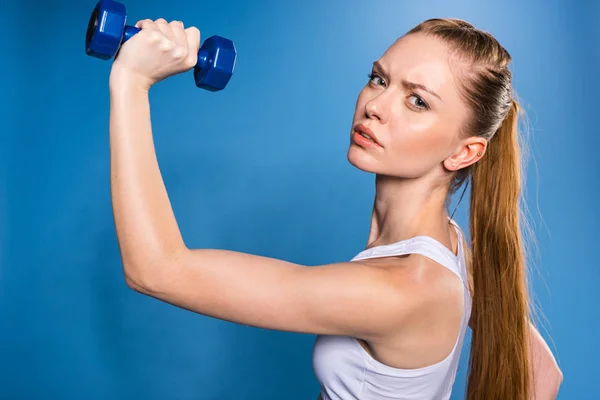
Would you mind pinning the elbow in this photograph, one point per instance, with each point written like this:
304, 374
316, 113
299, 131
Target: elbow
556, 387
134, 281
559, 379
558, 376
553, 385
137, 277
146, 276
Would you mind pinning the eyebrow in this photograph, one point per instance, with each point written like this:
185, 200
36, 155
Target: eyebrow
408, 84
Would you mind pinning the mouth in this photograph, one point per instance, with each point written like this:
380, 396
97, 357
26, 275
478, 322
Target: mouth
364, 136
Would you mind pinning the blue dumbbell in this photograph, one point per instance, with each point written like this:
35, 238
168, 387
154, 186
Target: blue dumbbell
107, 31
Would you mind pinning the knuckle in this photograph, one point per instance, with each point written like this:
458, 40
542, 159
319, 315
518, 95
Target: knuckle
143, 23
180, 53
167, 45
161, 21
193, 30
190, 60
193, 34
154, 36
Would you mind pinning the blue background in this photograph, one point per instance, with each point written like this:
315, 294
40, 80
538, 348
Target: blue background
259, 167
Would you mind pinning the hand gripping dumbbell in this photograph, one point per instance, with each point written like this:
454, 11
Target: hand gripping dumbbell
107, 31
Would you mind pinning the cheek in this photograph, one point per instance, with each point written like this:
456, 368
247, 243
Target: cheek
412, 146
417, 144
413, 132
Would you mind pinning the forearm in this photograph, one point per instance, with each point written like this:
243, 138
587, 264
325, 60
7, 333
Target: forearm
145, 224
546, 374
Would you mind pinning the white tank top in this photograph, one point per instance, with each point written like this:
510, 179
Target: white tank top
345, 370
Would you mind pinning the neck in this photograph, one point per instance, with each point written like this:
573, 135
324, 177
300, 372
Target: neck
405, 208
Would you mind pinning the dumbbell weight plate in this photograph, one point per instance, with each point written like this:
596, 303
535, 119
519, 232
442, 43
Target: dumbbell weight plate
105, 30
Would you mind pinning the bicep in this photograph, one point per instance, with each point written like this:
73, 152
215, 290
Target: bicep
350, 298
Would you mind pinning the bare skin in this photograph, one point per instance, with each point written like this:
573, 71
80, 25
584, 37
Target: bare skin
405, 310
417, 130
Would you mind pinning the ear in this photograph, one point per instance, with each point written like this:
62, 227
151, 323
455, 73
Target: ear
470, 151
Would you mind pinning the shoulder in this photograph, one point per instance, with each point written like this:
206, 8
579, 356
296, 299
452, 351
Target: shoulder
437, 300
422, 270
420, 276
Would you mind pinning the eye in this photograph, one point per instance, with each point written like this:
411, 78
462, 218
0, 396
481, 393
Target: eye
376, 79
417, 102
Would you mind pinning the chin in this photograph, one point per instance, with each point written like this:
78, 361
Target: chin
361, 159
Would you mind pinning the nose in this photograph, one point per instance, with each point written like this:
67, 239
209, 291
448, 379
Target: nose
376, 108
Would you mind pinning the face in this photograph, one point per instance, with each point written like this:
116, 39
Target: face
412, 106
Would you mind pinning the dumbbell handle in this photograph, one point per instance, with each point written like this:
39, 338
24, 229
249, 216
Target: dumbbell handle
130, 31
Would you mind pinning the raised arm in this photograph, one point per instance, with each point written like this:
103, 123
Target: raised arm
353, 298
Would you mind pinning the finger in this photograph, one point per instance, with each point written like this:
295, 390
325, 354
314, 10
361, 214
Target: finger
193, 42
179, 36
153, 33
146, 24
165, 28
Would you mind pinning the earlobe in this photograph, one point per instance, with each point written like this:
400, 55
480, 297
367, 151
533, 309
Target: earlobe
453, 164
457, 159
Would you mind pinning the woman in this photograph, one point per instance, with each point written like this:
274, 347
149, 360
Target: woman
437, 109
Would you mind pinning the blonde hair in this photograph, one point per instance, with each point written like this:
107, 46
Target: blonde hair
499, 358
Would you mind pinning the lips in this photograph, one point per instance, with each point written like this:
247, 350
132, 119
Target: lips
360, 128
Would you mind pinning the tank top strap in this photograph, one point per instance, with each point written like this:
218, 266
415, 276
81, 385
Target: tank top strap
424, 245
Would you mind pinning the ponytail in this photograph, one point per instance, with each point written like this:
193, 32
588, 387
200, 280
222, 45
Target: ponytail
499, 360
499, 364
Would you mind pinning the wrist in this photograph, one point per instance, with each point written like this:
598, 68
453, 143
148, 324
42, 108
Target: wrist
125, 80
